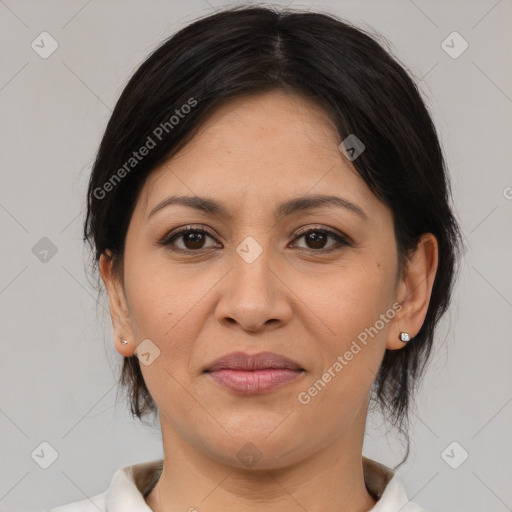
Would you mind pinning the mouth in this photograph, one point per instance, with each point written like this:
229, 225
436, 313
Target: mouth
253, 374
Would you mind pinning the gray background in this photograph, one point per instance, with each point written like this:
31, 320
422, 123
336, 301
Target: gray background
59, 367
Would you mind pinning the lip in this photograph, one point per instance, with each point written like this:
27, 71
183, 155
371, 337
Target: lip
253, 374
258, 361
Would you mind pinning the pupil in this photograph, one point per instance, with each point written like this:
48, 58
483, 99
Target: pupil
316, 238
195, 239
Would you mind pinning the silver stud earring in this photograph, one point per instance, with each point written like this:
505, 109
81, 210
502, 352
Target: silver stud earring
404, 337
123, 341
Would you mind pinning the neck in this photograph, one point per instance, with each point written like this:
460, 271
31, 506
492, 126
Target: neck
328, 479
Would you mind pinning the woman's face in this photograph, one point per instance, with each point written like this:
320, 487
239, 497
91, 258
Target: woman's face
256, 283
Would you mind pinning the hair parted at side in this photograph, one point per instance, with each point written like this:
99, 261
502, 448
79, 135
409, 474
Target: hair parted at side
248, 50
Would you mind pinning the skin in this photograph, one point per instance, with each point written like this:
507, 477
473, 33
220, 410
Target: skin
251, 155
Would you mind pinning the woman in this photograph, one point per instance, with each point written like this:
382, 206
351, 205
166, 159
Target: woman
270, 214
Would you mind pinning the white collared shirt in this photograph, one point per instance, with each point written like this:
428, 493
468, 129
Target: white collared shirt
130, 484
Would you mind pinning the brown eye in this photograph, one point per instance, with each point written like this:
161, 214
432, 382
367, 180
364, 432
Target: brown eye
317, 238
191, 239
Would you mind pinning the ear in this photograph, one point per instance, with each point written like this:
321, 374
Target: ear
414, 291
119, 311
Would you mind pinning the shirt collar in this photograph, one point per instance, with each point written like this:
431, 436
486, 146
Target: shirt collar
386, 486
130, 484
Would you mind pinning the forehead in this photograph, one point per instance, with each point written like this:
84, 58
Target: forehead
252, 150
271, 126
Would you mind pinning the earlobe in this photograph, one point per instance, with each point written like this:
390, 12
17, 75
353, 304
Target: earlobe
123, 336
414, 292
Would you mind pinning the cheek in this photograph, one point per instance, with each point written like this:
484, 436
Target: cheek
158, 294
167, 306
356, 309
162, 310
153, 306
354, 296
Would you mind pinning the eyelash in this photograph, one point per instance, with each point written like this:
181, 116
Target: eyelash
341, 240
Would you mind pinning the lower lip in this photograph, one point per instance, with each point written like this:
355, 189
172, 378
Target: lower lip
254, 382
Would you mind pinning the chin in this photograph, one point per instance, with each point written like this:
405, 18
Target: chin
257, 451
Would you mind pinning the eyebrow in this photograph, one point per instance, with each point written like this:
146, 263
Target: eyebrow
299, 204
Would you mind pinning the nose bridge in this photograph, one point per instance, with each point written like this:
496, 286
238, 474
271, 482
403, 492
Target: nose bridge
254, 229
253, 293
252, 263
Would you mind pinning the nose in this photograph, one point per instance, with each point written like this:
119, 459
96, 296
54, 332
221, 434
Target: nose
254, 296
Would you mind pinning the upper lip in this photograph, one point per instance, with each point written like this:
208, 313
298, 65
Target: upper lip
259, 361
